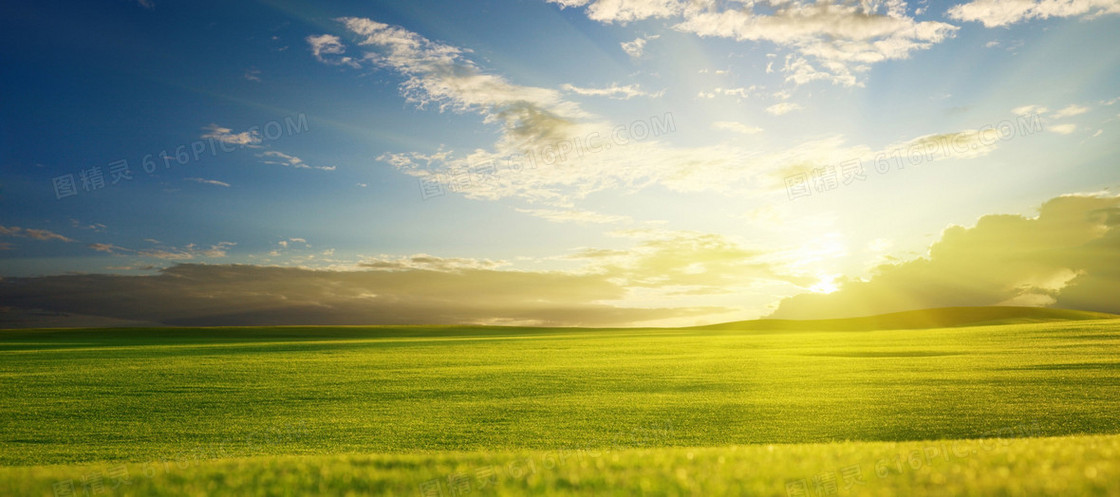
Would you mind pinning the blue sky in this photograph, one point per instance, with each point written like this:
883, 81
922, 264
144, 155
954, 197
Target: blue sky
363, 137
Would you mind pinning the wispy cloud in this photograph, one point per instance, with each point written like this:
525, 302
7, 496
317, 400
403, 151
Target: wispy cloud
441, 75
575, 216
1070, 111
736, 127
165, 252
205, 181
1063, 129
34, 234
739, 93
282, 159
782, 108
250, 138
108, 248
614, 91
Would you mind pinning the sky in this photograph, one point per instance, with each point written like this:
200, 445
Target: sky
555, 162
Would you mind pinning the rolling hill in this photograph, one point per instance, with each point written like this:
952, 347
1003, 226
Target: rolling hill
945, 317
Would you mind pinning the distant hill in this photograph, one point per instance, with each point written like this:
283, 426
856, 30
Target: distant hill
945, 317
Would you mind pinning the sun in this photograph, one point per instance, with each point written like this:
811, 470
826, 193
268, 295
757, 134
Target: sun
825, 284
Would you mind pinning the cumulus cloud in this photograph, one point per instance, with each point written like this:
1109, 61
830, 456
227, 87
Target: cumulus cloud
994, 13
844, 38
1067, 256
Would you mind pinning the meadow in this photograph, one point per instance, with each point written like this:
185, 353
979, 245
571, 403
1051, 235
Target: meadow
1025, 408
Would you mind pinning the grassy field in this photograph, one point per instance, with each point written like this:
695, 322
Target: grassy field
1086, 465
381, 410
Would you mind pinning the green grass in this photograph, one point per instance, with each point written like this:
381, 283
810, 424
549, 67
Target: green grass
1086, 465
386, 407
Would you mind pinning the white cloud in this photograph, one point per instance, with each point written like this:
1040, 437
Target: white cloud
782, 108
1070, 111
799, 71
557, 168
331, 46
736, 127
993, 13
623, 11
614, 91
441, 75
844, 39
637, 47
1063, 129
738, 93
1027, 110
